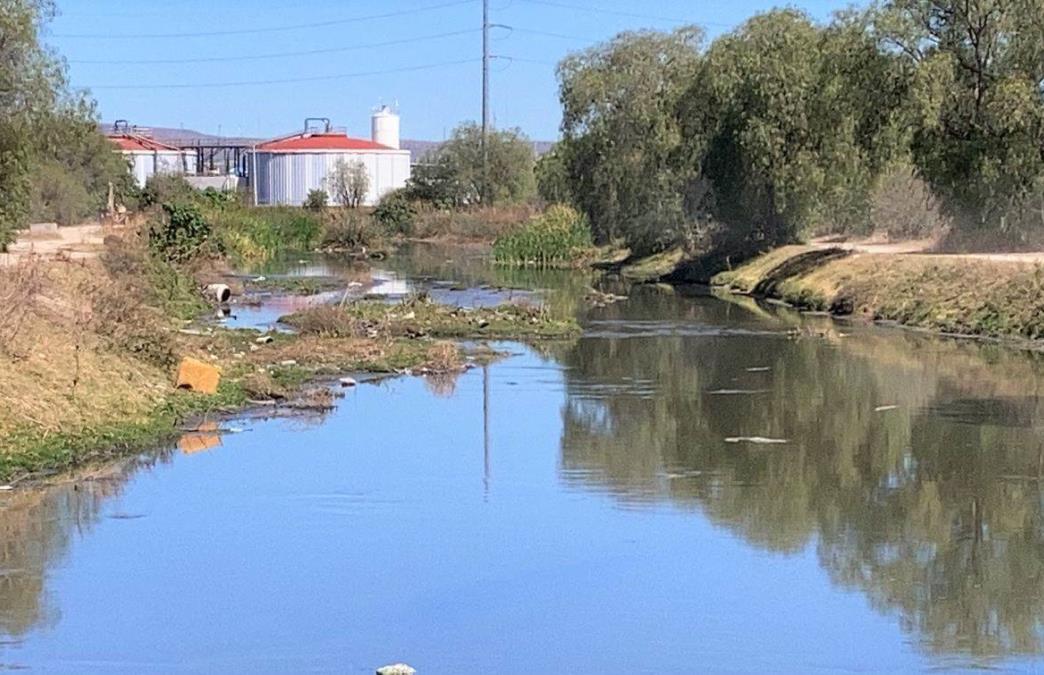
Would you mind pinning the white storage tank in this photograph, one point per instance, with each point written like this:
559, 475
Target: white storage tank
384, 127
286, 169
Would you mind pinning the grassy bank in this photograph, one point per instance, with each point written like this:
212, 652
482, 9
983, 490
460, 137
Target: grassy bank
942, 293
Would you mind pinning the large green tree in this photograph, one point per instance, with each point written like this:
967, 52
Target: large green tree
455, 173
977, 103
622, 142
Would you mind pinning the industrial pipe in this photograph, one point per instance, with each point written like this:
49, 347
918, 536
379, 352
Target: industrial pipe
219, 292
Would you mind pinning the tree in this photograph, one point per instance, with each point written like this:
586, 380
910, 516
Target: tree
54, 164
30, 81
793, 141
976, 101
552, 177
349, 183
455, 171
621, 138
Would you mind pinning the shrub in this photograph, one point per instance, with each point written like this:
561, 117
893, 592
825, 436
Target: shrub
316, 200
218, 199
396, 212
904, 207
179, 233
164, 188
349, 230
560, 236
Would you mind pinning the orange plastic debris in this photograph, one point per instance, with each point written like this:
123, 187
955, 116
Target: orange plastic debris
198, 376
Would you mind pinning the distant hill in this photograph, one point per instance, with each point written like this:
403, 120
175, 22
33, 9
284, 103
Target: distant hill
190, 137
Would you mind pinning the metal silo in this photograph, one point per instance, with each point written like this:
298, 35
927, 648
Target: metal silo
289, 167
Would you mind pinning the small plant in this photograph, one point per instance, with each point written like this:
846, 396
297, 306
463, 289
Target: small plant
316, 200
561, 236
218, 199
395, 212
349, 183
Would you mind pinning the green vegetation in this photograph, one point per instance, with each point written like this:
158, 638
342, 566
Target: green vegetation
452, 175
784, 128
558, 237
258, 233
943, 293
54, 165
419, 317
316, 201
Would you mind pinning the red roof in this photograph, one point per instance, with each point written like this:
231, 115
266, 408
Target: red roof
135, 143
322, 141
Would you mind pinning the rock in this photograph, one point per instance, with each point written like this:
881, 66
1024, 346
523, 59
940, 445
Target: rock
288, 362
396, 669
483, 323
264, 340
348, 382
197, 376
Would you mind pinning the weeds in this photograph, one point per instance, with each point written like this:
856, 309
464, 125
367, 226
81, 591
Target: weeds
559, 237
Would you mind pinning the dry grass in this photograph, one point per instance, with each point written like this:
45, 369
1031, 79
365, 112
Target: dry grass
481, 225
58, 372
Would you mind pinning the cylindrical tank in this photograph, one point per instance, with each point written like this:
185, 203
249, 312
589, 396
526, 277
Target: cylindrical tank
385, 127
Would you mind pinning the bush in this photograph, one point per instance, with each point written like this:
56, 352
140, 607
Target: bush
179, 233
349, 230
560, 236
165, 188
218, 199
396, 212
316, 200
903, 207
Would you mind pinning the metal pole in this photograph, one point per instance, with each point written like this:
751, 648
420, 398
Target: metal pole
253, 171
485, 100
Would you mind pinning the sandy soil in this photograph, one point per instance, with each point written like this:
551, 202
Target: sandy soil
77, 242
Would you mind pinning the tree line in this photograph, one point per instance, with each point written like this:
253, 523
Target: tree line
900, 116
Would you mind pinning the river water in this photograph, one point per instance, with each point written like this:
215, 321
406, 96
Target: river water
697, 484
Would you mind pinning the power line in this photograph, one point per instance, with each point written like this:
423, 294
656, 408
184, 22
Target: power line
270, 29
613, 12
274, 55
293, 80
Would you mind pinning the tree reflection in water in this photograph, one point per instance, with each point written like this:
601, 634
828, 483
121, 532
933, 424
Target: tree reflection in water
913, 464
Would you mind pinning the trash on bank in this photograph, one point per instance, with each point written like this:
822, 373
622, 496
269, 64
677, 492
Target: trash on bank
197, 376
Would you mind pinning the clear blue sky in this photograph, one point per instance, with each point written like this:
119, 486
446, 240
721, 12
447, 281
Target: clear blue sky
432, 70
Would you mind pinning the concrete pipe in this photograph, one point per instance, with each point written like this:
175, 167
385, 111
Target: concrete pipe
219, 292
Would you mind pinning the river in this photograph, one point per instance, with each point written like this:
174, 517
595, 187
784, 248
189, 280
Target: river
697, 484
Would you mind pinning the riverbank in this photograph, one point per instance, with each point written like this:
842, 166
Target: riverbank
89, 350
960, 295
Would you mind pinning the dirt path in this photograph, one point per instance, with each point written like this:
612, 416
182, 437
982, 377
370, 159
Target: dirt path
77, 242
924, 247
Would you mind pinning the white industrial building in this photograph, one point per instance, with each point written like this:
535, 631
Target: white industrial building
285, 170
148, 156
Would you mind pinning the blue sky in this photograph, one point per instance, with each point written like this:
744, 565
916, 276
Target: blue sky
422, 54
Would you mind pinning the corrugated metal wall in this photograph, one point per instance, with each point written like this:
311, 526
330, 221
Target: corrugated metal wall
170, 162
287, 178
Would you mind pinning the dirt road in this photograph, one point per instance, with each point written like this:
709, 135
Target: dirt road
77, 242
924, 247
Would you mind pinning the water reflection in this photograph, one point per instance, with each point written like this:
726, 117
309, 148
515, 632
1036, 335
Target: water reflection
913, 464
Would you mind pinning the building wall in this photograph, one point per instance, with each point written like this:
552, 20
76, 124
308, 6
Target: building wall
287, 178
143, 164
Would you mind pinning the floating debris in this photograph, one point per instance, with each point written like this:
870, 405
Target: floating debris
759, 369
758, 440
885, 408
348, 382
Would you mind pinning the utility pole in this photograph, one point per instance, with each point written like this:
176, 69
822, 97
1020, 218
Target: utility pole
485, 101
